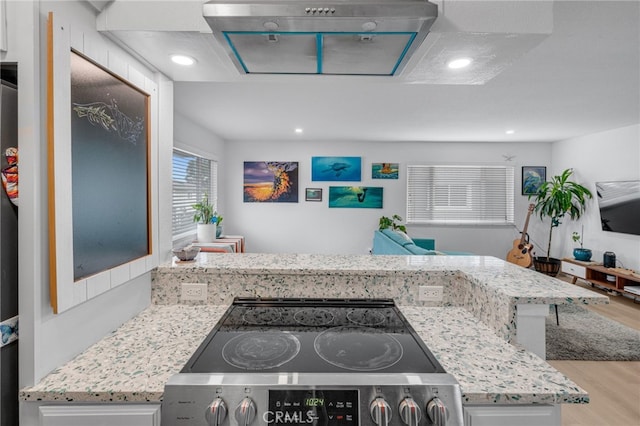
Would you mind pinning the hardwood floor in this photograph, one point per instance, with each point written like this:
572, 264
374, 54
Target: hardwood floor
613, 386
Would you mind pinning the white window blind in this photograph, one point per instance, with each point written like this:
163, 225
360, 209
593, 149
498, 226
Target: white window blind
474, 195
192, 177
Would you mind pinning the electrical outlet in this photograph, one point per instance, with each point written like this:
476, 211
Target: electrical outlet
431, 293
194, 291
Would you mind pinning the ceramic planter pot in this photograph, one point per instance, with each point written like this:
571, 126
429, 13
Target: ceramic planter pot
206, 232
582, 254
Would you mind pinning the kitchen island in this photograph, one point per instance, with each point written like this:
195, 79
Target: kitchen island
127, 369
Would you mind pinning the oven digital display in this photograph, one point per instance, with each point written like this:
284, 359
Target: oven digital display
313, 407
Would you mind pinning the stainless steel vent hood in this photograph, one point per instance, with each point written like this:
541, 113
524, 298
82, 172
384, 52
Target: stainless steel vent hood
338, 37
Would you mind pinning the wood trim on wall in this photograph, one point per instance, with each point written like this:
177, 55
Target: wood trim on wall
53, 289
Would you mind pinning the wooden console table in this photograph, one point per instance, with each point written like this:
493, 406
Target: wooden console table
616, 279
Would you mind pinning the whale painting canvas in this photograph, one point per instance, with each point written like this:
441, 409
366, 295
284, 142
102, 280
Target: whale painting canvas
336, 169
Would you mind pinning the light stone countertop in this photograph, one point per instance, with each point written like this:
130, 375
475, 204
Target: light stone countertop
487, 287
511, 281
133, 363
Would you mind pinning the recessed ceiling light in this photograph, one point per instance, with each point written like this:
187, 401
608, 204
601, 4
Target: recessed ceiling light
298, 130
183, 60
459, 63
510, 132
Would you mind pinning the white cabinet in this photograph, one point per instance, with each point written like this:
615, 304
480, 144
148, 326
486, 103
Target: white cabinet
573, 269
99, 415
510, 415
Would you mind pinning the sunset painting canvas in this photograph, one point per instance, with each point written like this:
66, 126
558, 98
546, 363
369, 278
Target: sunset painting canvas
270, 182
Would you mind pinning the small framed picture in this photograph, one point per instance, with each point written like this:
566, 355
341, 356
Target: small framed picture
532, 178
313, 194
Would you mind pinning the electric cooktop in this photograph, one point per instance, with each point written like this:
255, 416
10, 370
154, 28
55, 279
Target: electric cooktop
313, 336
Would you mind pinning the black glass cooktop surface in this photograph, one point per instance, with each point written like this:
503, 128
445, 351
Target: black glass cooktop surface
312, 336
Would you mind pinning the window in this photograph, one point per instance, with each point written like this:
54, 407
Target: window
474, 195
192, 177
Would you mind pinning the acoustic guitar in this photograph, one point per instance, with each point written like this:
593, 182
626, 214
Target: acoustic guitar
520, 254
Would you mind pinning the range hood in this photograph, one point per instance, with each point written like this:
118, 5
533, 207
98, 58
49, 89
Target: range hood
337, 37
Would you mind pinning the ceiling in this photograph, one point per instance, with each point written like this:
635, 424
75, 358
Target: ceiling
546, 70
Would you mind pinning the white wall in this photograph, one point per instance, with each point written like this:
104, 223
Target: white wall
606, 156
312, 227
48, 340
193, 138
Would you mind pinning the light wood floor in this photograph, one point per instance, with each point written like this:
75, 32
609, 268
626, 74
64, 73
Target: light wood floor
613, 386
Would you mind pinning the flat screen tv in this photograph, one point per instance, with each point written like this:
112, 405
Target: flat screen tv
619, 204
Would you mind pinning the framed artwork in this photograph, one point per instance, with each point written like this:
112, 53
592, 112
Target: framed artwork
336, 169
532, 178
99, 158
384, 170
313, 194
355, 197
270, 182
109, 173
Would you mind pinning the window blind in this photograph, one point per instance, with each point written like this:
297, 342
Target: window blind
474, 195
192, 178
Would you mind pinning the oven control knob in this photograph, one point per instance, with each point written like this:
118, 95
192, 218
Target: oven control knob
245, 412
216, 412
410, 412
380, 412
437, 412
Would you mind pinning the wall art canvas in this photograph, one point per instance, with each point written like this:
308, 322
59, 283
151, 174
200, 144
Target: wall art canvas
270, 181
356, 197
384, 170
110, 169
343, 169
532, 178
313, 194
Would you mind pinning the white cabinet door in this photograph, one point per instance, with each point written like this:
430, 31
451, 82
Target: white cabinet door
100, 415
573, 269
511, 415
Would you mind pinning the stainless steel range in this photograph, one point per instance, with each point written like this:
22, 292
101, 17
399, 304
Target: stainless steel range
312, 362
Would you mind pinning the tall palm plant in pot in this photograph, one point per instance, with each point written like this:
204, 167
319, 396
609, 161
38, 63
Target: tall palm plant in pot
556, 199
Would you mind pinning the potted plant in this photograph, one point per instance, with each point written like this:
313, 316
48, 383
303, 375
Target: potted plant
581, 253
555, 199
392, 223
204, 213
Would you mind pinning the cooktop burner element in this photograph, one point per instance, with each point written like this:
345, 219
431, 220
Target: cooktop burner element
260, 351
366, 317
259, 315
313, 317
358, 348
317, 362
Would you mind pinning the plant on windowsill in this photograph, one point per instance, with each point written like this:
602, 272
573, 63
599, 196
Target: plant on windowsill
203, 216
581, 253
392, 223
555, 199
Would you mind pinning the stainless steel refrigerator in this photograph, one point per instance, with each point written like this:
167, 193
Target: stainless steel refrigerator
8, 264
